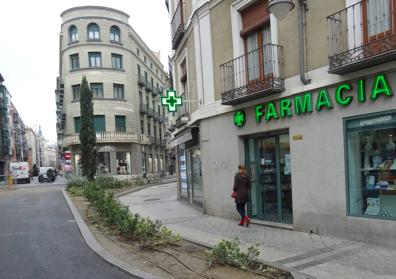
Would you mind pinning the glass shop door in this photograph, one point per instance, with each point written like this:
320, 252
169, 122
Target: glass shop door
268, 162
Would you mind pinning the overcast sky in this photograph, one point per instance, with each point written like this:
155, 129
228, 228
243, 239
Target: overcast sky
29, 49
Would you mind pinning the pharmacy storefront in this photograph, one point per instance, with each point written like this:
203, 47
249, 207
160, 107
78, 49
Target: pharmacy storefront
321, 161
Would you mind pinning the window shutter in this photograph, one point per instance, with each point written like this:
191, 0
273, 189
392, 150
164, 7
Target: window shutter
99, 123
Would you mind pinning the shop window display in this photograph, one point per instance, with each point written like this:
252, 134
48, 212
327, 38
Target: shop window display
123, 162
371, 151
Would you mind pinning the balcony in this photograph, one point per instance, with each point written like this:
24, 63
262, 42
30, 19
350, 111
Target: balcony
143, 139
157, 91
361, 35
163, 118
177, 25
252, 76
152, 140
149, 86
104, 137
156, 116
150, 112
143, 108
182, 115
141, 80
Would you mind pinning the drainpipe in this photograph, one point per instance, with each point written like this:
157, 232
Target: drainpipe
302, 7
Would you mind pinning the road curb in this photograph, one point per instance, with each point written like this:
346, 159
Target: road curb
92, 243
144, 187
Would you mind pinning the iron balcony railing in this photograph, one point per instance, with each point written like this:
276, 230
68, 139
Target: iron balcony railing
157, 91
152, 140
177, 25
156, 116
141, 80
361, 35
182, 114
143, 108
149, 86
252, 75
163, 118
150, 112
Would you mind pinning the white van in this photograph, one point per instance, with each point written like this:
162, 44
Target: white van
20, 171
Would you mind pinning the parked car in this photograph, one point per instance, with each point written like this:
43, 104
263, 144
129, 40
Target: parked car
20, 171
46, 174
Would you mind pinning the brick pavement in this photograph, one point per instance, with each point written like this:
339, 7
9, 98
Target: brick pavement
307, 255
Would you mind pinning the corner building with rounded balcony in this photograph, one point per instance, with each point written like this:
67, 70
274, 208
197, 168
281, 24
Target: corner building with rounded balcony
126, 79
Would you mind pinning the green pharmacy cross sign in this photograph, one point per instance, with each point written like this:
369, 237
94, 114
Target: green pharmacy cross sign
171, 100
239, 118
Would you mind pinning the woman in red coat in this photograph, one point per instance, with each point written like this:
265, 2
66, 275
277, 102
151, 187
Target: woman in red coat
241, 187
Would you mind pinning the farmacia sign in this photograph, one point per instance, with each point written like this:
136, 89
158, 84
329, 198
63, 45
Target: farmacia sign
344, 94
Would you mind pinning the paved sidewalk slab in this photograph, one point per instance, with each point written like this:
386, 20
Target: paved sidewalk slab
306, 254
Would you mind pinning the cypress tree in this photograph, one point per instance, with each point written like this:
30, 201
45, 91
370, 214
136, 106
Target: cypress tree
87, 132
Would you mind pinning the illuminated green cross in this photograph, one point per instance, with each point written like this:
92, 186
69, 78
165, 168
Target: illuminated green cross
171, 100
239, 118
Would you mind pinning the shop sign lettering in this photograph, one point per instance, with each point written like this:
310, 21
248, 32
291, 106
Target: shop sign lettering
106, 148
343, 95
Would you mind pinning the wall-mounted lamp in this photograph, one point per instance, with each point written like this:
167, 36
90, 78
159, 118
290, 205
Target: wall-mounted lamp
280, 8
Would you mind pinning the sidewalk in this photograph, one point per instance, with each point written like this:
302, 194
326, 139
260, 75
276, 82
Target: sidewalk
305, 254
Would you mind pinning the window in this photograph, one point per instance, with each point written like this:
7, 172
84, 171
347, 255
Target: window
377, 17
76, 91
140, 98
371, 155
95, 59
151, 65
97, 90
142, 126
155, 130
99, 123
114, 34
120, 123
152, 82
118, 90
73, 34
259, 54
145, 77
74, 61
138, 51
156, 72
153, 102
93, 31
138, 69
116, 61
145, 60
147, 102
148, 128
77, 124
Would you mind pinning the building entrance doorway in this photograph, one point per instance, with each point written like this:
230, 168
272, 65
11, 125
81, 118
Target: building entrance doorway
268, 162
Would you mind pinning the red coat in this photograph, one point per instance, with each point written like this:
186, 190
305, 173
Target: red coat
241, 186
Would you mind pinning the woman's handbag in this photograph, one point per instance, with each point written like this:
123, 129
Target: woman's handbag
234, 194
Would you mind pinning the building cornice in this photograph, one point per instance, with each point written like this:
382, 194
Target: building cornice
93, 7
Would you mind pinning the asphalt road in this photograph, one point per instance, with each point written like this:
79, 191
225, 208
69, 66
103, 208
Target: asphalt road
39, 238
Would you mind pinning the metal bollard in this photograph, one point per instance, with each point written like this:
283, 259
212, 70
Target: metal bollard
9, 181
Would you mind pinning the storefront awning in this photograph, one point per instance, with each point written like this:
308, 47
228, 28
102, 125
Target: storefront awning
181, 139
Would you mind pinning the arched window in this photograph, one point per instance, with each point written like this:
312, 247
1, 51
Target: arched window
73, 33
93, 31
115, 33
